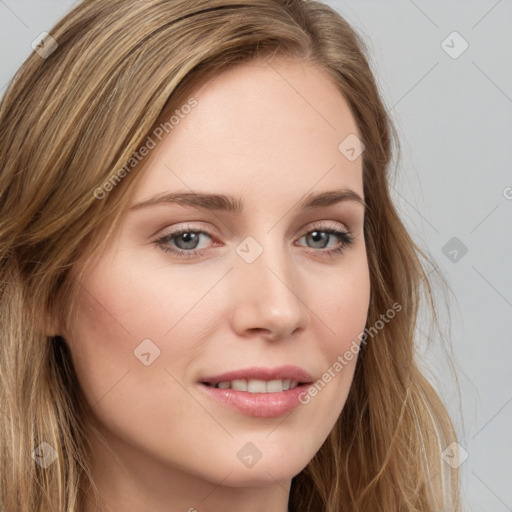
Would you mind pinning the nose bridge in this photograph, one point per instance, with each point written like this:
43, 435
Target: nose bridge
268, 288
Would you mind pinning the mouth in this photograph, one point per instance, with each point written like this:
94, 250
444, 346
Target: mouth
257, 385
260, 392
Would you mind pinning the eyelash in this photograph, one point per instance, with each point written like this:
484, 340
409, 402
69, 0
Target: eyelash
345, 237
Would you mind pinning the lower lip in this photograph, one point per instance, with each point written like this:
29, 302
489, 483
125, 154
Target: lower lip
262, 405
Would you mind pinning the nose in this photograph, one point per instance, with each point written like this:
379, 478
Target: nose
267, 297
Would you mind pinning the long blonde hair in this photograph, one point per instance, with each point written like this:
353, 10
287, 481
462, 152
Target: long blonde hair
70, 120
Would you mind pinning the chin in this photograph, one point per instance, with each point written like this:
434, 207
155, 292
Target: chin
264, 474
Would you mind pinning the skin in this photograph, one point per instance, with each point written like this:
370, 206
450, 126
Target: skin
170, 447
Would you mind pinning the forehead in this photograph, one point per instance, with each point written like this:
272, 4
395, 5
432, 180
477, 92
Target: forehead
258, 128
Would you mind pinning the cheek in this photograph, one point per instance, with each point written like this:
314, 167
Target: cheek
343, 312
100, 344
109, 325
114, 317
343, 301
119, 310
144, 299
347, 310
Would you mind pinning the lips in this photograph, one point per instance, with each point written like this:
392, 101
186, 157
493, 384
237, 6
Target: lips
259, 392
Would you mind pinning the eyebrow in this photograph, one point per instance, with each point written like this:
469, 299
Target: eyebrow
227, 203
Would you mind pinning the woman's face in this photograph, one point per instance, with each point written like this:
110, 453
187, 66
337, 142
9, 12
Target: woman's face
259, 286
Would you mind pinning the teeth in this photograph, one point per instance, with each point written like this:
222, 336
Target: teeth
239, 385
273, 386
258, 386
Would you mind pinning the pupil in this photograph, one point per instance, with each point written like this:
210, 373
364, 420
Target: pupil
189, 240
318, 236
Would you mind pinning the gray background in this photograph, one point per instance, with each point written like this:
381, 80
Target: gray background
454, 179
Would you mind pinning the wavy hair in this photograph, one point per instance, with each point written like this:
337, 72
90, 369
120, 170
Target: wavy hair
70, 119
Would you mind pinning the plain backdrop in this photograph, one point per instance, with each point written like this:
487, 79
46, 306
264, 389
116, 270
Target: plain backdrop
444, 69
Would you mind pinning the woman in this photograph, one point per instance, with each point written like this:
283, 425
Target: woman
208, 299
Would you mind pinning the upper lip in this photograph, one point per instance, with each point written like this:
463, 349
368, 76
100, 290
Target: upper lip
262, 373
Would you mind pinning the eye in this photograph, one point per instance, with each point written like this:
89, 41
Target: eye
320, 236
184, 242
